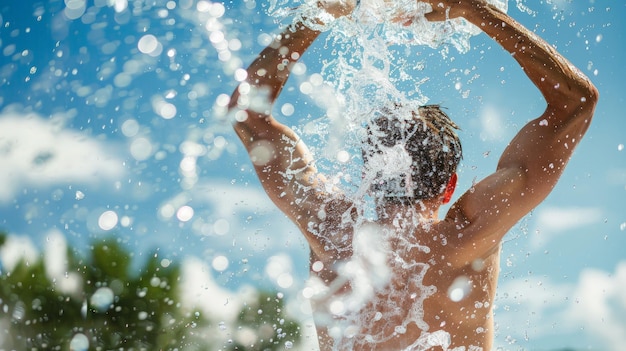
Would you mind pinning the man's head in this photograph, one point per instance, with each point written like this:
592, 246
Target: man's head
412, 155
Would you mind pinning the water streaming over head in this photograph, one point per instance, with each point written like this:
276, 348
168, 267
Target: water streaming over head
368, 71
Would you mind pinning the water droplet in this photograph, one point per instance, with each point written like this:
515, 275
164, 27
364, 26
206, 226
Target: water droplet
317, 266
478, 265
79, 195
79, 342
107, 220
220, 263
287, 109
460, 288
83, 309
337, 307
184, 213
221, 226
261, 153
148, 44
285, 280
141, 149
102, 299
343, 156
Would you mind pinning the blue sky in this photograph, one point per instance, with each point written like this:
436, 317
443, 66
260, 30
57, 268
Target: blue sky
109, 126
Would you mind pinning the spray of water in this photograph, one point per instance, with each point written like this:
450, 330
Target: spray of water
366, 73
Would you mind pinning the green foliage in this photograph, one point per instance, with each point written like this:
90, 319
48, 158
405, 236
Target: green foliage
265, 315
114, 309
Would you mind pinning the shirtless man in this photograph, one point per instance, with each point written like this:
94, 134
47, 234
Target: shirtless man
461, 252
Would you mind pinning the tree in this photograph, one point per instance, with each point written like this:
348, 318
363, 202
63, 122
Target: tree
115, 309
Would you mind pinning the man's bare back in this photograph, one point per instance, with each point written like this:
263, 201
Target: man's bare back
425, 301
432, 281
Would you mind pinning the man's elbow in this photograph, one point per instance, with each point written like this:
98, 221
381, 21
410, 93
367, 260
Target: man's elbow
592, 94
589, 99
583, 112
580, 104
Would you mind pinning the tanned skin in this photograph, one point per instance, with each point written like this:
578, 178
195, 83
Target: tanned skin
527, 171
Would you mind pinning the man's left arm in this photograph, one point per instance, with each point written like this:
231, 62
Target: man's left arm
534, 160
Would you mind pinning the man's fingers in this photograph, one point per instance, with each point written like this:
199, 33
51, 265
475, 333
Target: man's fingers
435, 17
337, 8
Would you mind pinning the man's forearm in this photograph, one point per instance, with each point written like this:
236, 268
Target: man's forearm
557, 79
270, 70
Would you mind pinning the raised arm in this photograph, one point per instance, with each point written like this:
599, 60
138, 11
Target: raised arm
536, 157
281, 160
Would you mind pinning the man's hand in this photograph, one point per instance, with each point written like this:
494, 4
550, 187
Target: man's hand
337, 8
447, 9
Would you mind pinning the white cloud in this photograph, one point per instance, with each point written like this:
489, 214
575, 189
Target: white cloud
55, 260
557, 219
229, 199
552, 221
199, 290
599, 303
15, 249
242, 217
37, 152
592, 310
525, 308
243, 212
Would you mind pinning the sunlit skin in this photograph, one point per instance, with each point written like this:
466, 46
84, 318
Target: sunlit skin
474, 225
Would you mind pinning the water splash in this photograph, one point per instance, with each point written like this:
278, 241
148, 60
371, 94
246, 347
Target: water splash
397, 21
374, 64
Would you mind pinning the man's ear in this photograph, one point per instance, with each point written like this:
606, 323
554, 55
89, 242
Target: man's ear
447, 194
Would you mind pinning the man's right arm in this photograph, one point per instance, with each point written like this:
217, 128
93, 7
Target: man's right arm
534, 160
281, 159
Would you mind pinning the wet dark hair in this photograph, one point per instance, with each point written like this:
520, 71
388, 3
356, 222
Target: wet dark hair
428, 135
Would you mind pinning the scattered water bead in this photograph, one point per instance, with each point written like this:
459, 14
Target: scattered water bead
478, 265
102, 299
287, 109
343, 156
220, 263
317, 266
130, 128
79, 342
337, 307
148, 44
141, 149
221, 226
285, 280
460, 288
261, 153
185, 213
107, 220
167, 110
